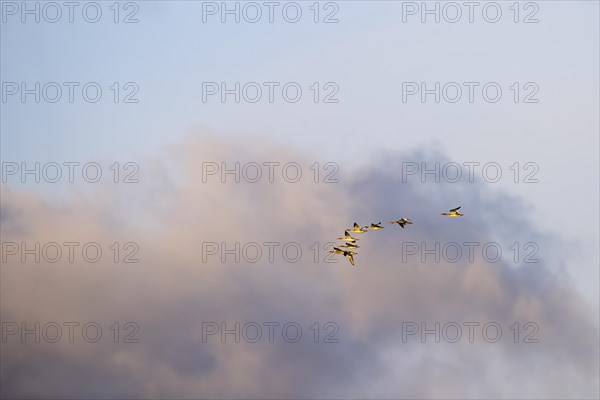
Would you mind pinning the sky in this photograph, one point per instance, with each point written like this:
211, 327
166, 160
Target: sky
366, 134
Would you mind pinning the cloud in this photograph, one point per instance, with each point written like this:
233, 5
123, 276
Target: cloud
171, 292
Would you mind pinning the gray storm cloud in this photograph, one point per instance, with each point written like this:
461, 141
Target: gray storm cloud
172, 215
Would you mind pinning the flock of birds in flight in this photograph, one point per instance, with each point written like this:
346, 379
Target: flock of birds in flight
350, 242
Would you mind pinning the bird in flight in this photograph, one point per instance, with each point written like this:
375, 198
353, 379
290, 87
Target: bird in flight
374, 227
347, 238
349, 246
401, 222
345, 253
453, 213
356, 229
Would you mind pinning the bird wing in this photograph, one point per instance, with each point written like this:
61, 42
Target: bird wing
455, 209
351, 259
